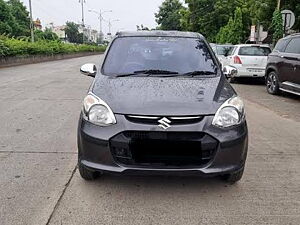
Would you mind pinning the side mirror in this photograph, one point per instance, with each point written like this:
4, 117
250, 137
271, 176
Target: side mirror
89, 69
229, 71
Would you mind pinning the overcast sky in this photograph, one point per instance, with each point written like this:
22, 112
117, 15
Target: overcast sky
129, 12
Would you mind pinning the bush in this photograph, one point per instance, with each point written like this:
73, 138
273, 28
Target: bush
17, 47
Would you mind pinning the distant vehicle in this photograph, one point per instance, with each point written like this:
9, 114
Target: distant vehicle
160, 104
221, 51
250, 60
283, 68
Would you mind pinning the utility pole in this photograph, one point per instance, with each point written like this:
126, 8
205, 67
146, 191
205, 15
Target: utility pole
82, 14
31, 22
82, 10
278, 4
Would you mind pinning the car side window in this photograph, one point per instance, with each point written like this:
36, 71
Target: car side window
293, 46
281, 45
231, 51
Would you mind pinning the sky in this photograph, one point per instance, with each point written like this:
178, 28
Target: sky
129, 12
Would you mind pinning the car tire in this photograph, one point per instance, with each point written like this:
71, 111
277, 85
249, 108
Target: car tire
87, 174
232, 80
233, 177
272, 83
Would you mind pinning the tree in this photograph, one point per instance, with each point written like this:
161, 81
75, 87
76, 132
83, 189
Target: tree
7, 21
21, 17
209, 16
72, 33
233, 31
45, 35
168, 16
277, 26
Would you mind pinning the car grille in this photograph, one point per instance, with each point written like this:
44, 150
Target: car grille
175, 120
163, 149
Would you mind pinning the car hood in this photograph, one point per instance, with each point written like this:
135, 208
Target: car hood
168, 96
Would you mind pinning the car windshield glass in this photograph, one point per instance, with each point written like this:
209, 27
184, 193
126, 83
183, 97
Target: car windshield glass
131, 55
255, 51
223, 50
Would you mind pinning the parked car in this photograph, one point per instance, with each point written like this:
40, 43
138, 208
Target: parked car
250, 60
283, 68
160, 104
221, 51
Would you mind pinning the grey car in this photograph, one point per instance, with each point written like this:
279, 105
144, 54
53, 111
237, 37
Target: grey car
160, 104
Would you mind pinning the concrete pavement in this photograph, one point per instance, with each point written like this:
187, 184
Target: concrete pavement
39, 183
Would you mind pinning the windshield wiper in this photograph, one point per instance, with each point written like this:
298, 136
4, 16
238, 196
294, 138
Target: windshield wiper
126, 75
150, 72
198, 73
146, 72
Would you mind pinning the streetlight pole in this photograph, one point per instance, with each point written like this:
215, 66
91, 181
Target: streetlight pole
31, 22
110, 24
100, 15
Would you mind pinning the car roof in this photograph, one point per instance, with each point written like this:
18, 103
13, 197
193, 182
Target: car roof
292, 35
159, 33
249, 45
224, 45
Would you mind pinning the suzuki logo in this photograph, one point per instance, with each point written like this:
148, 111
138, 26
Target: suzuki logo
164, 123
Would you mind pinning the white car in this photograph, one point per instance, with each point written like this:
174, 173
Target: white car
250, 60
221, 51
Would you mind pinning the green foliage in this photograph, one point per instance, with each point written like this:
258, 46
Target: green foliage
16, 47
72, 33
7, 21
168, 16
212, 17
45, 35
21, 17
14, 18
277, 26
233, 31
209, 16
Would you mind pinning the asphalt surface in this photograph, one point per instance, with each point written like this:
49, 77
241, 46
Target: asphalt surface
39, 182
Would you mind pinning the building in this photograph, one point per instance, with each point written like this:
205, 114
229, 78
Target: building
90, 34
60, 32
37, 24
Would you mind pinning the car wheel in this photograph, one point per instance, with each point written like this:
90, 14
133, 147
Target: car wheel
272, 83
86, 173
233, 177
232, 80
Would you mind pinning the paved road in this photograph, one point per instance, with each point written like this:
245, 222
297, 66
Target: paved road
39, 183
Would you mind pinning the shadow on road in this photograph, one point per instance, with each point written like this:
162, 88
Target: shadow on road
251, 81
170, 183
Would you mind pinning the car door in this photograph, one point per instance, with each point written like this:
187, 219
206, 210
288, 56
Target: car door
290, 69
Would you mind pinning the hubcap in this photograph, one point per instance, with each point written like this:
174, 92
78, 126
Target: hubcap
271, 82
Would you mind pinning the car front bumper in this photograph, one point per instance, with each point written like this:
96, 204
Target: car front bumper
95, 148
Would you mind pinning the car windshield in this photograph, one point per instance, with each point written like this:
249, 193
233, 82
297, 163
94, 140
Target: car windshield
255, 51
224, 50
162, 55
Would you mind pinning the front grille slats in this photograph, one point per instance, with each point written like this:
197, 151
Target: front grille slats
175, 120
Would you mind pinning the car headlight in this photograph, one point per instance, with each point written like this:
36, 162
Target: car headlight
230, 113
97, 111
